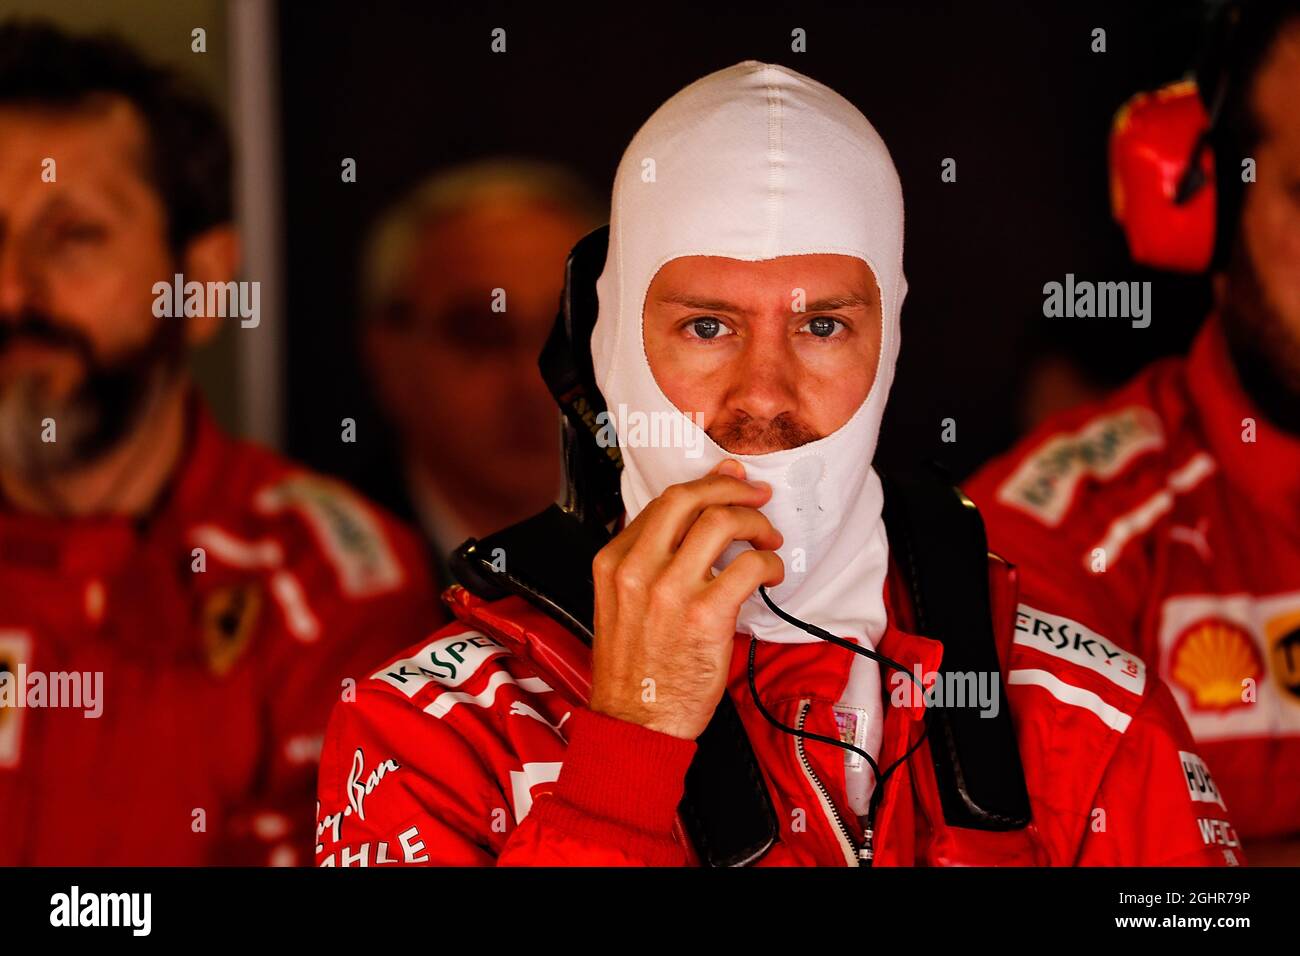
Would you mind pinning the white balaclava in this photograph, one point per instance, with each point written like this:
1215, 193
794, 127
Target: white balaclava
755, 162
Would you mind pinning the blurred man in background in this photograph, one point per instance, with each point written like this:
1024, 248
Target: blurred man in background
462, 283
178, 610
1167, 517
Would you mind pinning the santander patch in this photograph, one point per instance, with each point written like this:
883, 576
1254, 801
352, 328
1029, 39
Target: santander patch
1044, 484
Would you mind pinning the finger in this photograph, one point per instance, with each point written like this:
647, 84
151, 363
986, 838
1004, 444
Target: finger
671, 515
729, 467
743, 576
616, 549
717, 527
621, 543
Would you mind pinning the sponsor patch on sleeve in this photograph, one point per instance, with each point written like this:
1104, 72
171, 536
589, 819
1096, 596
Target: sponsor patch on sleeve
1043, 486
1200, 784
344, 526
1071, 641
1217, 832
449, 661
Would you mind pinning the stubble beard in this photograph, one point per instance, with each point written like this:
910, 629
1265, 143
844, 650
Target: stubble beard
1264, 349
96, 417
744, 435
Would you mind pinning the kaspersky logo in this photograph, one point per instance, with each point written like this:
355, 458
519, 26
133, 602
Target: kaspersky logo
1211, 660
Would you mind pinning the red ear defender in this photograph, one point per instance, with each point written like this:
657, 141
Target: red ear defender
1162, 178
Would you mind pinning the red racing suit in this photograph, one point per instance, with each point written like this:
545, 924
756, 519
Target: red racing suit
1167, 517
474, 748
194, 657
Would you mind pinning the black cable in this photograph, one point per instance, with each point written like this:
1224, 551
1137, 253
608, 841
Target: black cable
825, 635
795, 732
867, 652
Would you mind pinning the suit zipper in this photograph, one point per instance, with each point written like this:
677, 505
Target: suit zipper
842, 833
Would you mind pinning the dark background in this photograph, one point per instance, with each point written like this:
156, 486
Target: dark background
1012, 91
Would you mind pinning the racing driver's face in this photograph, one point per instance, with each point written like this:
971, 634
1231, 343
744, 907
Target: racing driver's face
773, 354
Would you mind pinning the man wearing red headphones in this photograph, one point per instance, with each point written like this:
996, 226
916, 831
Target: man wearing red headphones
1167, 516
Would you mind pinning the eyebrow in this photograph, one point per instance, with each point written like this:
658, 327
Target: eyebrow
112, 195
847, 300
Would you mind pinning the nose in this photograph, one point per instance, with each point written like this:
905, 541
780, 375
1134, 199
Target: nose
763, 382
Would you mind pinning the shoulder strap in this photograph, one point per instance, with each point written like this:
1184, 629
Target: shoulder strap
546, 559
938, 541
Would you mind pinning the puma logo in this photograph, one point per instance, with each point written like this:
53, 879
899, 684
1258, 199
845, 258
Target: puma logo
520, 709
1197, 538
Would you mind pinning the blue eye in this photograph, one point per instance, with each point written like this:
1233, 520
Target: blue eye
824, 327
708, 328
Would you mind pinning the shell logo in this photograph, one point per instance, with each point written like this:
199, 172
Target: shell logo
1210, 660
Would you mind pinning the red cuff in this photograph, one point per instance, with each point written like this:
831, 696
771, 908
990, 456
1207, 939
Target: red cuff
622, 773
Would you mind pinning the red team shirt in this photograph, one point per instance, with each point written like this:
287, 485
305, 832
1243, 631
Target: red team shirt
1167, 518
473, 748
214, 685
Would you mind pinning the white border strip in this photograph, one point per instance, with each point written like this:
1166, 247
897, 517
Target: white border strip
1128, 526
1112, 717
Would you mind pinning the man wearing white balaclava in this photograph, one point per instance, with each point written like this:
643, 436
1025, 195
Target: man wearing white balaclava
743, 613
753, 163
